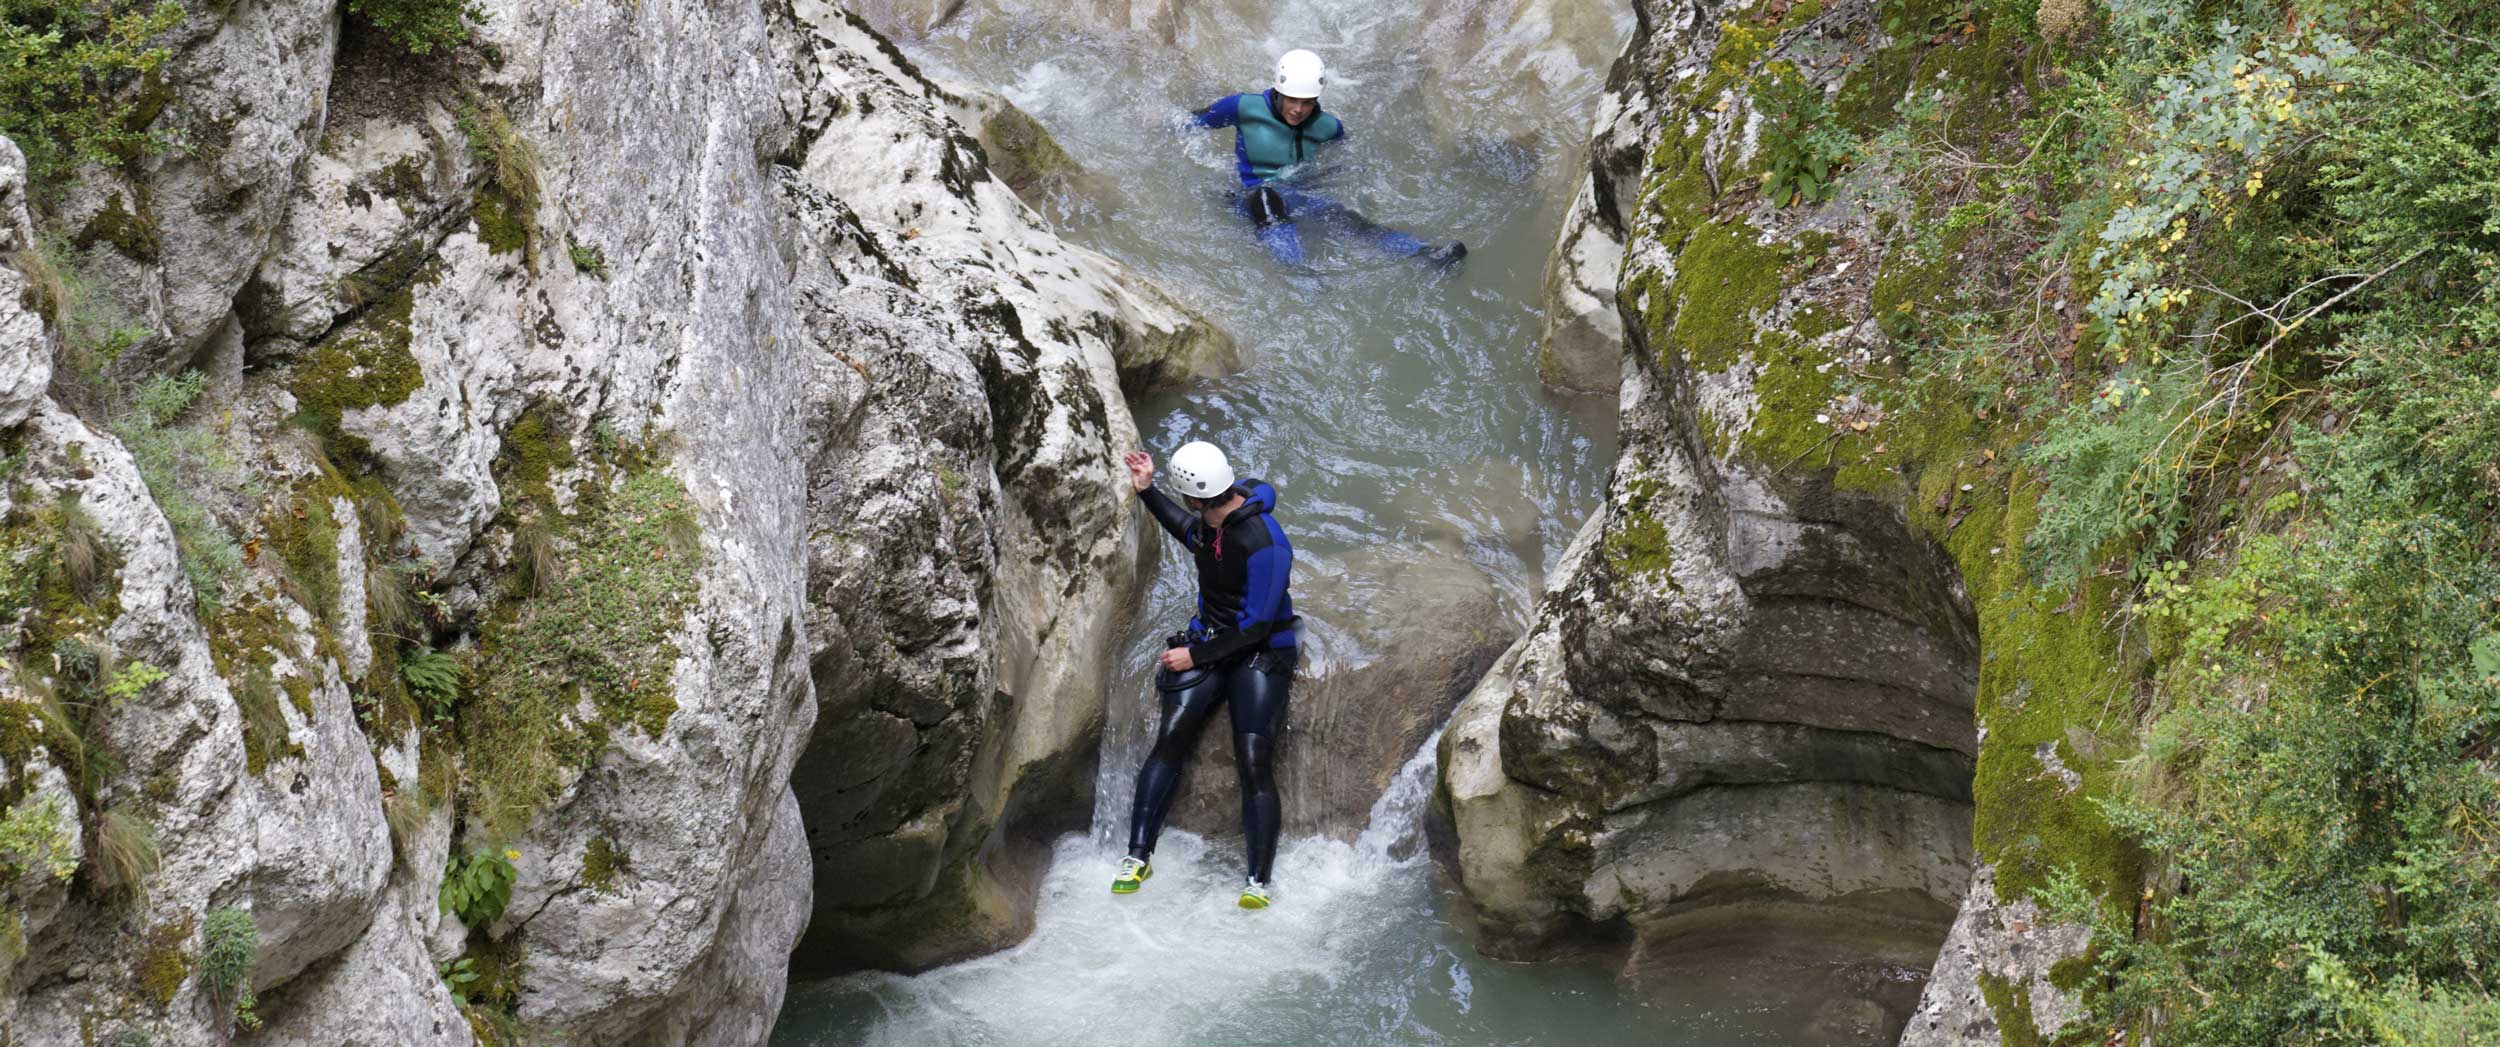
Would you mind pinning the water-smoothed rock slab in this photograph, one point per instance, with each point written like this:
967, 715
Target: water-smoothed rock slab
1355, 717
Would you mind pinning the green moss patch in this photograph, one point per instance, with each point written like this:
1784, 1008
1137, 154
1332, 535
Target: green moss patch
535, 450
304, 532
364, 364
130, 231
1636, 540
2050, 668
165, 962
2011, 1003
603, 863
594, 649
56, 575
503, 222
245, 640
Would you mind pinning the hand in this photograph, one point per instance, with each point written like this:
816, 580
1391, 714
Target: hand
1177, 659
1141, 469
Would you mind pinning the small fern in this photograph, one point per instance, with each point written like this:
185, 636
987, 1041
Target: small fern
434, 677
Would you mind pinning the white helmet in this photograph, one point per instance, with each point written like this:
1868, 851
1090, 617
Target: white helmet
1200, 470
1299, 74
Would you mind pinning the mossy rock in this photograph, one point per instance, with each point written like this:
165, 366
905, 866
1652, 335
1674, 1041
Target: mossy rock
1732, 305
603, 863
604, 632
165, 962
535, 450
131, 231
1021, 151
366, 363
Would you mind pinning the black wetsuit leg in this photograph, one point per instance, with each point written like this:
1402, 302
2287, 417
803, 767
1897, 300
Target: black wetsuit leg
1185, 713
1393, 241
1257, 689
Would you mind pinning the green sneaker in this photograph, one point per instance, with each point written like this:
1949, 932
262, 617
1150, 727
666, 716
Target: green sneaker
1253, 894
1133, 874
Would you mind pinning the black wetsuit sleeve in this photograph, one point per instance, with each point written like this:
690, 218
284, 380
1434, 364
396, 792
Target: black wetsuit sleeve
1175, 520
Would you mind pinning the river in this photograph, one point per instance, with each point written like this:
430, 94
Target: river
1399, 414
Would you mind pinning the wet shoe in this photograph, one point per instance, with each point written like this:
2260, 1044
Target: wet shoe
1133, 874
1253, 894
1447, 258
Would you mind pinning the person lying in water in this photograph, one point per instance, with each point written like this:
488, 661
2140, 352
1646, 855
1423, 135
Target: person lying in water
1239, 651
1275, 132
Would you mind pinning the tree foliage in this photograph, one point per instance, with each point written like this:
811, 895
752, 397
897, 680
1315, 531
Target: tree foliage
2278, 416
72, 77
420, 26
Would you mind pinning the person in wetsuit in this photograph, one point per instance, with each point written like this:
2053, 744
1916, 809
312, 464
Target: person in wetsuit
1275, 132
1239, 652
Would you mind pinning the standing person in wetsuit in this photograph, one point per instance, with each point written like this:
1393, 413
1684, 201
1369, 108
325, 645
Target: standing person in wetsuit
1239, 652
1275, 132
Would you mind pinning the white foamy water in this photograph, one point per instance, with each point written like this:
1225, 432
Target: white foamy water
1354, 952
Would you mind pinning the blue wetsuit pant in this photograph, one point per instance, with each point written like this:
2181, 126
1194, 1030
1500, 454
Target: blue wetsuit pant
1255, 688
1276, 209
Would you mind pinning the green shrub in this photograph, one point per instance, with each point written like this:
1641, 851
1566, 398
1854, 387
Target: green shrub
505, 206
587, 258
132, 680
2279, 424
458, 975
75, 79
266, 735
419, 26
95, 328
1802, 143
230, 949
34, 838
191, 471
603, 635
477, 886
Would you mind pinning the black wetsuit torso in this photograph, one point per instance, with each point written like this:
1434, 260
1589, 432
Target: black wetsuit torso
1242, 566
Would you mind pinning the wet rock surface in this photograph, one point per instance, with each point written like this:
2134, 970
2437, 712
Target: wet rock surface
1351, 724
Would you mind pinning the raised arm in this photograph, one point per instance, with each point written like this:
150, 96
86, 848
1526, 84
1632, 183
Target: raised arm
1224, 113
1141, 478
1175, 520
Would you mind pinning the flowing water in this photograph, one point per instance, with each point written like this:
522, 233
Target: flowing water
1400, 416
1355, 955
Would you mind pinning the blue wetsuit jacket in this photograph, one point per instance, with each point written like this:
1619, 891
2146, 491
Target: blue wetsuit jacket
1263, 143
1243, 567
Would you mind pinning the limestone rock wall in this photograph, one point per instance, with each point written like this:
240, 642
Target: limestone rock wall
755, 492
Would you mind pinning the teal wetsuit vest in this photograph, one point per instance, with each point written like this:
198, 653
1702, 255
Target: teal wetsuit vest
1263, 142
